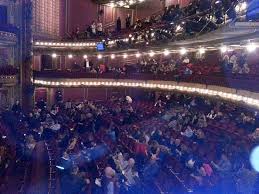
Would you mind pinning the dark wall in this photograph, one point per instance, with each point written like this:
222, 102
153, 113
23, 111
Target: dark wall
92, 93
3, 15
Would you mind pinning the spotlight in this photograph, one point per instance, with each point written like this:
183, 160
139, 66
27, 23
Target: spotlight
251, 47
70, 56
202, 50
99, 56
112, 4
112, 56
151, 54
166, 52
131, 2
85, 56
183, 51
121, 3
54, 55
138, 55
224, 49
125, 56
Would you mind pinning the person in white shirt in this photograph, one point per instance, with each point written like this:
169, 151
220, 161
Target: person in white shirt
121, 162
212, 115
246, 69
129, 173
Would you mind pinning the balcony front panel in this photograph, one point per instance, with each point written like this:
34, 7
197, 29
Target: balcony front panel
240, 82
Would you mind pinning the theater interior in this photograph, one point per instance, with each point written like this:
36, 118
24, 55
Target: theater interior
129, 96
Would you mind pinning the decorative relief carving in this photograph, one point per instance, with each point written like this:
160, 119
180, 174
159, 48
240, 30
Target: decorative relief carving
8, 36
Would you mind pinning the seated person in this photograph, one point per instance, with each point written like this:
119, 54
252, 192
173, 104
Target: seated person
109, 183
188, 132
212, 115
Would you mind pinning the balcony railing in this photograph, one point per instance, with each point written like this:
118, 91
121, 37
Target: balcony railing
241, 82
8, 70
9, 28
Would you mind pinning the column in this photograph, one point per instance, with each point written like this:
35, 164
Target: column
27, 88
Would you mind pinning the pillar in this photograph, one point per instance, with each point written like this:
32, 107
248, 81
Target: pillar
27, 88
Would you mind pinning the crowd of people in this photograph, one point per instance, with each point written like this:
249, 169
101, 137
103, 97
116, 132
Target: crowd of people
237, 64
232, 63
6, 155
123, 145
175, 22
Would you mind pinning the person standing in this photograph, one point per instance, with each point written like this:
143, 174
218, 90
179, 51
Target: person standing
99, 28
118, 26
128, 21
93, 28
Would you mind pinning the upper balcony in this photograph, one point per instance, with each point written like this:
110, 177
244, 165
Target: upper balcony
8, 34
209, 28
8, 23
192, 34
8, 75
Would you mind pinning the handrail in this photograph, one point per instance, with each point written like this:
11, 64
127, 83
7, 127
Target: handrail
189, 190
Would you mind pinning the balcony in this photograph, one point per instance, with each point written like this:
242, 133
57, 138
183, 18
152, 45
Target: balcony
239, 82
8, 35
8, 76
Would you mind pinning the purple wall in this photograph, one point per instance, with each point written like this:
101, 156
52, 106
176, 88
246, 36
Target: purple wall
80, 13
149, 8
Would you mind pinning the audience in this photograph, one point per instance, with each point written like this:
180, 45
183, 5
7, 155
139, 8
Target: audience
123, 146
177, 67
198, 17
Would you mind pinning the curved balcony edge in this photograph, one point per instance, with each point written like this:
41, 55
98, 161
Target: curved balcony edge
239, 82
238, 96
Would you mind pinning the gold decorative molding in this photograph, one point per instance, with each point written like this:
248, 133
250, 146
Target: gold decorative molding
8, 36
8, 80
